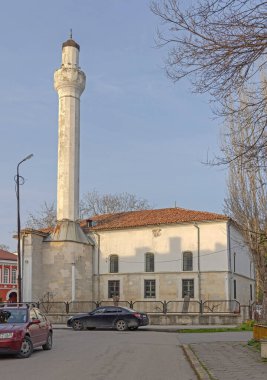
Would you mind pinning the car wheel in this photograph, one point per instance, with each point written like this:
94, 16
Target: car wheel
77, 325
121, 325
48, 345
26, 348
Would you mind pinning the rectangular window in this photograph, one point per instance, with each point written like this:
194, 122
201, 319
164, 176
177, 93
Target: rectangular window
113, 288
234, 261
149, 262
251, 292
114, 264
150, 289
6, 276
14, 276
234, 289
188, 288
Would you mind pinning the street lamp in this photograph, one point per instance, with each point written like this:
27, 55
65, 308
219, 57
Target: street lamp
17, 180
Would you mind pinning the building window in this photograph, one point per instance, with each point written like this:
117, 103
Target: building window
188, 288
6, 276
149, 259
234, 289
14, 276
251, 292
150, 289
187, 261
114, 264
234, 260
113, 288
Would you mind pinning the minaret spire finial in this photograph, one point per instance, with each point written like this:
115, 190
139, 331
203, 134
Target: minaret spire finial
70, 33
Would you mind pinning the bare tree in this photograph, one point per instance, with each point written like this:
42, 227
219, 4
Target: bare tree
91, 204
247, 199
4, 247
94, 203
220, 45
46, 217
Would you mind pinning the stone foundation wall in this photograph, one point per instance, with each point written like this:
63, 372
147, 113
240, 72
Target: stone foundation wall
171, 319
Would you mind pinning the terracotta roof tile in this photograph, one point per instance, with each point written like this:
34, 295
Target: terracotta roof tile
5, 255
150, 217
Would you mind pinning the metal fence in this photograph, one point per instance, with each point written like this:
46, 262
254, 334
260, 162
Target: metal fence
150, 306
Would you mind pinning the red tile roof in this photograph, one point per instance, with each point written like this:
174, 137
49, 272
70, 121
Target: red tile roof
150, 218
5, 255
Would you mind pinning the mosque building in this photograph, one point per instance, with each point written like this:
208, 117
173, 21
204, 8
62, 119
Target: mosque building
162, 254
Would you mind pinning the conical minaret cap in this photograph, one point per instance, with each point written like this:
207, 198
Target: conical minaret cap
71, 42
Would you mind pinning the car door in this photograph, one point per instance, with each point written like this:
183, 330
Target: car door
43, 326
110, 316
94, 319
34, 328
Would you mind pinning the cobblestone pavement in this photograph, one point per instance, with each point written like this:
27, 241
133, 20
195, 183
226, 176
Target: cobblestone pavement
230, 360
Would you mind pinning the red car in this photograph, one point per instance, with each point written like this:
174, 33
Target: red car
23, 328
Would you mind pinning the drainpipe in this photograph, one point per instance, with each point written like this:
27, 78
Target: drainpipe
73, 280
198, 261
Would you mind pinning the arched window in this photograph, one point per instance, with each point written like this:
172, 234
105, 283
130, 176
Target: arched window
114, 264
187, 261
149, 262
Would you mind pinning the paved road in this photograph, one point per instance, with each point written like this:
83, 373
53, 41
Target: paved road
99, 355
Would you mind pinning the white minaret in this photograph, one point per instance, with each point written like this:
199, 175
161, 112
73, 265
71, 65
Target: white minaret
69, 82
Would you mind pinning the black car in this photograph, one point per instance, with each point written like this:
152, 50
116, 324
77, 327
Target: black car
121, 318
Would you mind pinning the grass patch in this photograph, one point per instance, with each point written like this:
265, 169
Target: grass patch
243, 327
255, 344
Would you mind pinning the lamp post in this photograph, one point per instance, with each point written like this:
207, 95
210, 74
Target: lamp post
17, 180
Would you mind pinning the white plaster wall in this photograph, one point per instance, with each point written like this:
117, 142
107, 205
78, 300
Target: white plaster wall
243, 259
168, 244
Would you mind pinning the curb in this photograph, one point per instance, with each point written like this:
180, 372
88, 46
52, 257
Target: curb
195, 363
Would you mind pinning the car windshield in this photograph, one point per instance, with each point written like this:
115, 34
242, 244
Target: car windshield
13, 316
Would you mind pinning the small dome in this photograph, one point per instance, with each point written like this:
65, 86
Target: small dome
72, 43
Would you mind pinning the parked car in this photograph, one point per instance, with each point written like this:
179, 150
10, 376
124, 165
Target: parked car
23, 328
121, 318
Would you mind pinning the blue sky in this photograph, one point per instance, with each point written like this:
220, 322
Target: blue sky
140, 133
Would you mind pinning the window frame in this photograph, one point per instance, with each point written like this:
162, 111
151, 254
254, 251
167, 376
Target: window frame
6, 273
149, 262
188, 283
187, 261
151, 291
113, 263
113, 286
13, 276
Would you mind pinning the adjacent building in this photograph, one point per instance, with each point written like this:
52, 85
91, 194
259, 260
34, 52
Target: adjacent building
8, 276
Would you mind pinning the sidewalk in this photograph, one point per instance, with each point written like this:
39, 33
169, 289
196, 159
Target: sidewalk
226, 361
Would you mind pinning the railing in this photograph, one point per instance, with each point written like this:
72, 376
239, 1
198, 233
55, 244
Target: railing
221, 307
148, 306
192, 307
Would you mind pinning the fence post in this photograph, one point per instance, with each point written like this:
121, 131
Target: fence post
67, 307
201, 307
165, 307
